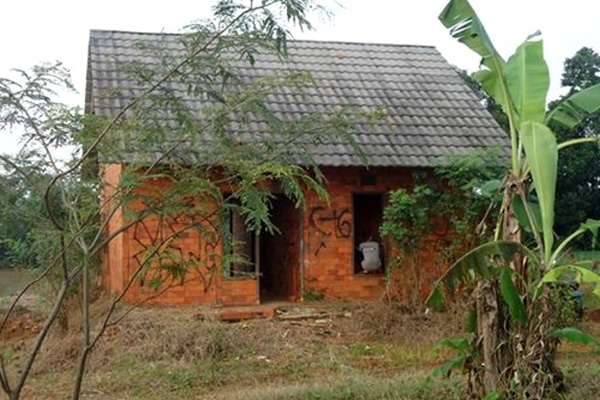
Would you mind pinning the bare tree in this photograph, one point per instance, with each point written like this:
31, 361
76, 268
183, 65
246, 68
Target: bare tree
229, 176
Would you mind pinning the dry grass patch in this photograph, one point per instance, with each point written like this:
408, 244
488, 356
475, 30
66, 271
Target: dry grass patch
171, 353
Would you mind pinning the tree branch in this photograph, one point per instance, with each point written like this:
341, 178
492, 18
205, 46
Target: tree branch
147, 92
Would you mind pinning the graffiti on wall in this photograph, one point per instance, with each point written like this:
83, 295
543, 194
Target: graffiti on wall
163, 259
328, 223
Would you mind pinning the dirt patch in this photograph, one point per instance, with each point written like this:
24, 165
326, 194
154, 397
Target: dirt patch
21, 325
25, 320
594, 315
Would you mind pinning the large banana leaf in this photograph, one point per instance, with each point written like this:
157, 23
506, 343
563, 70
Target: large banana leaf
575, 335
464, 25
574, 109
483, 262
581, 274
459, 344
511, 296
494, 84
542, 154
444, 370
521, 214
528, 80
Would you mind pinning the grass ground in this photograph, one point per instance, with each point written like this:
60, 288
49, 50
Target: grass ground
372, 353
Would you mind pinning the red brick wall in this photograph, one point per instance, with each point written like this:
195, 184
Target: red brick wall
114, 258
203, 283
327, 261
234, 292
329, 245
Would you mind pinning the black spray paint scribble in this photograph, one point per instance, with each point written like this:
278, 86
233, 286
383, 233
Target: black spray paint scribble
328, 223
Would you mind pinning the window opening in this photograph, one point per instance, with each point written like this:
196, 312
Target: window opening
369, 247
239, 245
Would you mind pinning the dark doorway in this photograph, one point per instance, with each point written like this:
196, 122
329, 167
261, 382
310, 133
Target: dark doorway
280, 254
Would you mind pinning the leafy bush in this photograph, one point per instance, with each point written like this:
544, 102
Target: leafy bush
452, 203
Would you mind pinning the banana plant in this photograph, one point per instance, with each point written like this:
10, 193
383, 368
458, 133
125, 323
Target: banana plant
519, 275
520, 85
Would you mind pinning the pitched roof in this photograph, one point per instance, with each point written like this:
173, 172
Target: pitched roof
431, 112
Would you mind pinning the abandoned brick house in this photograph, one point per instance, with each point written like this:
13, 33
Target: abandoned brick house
431, 113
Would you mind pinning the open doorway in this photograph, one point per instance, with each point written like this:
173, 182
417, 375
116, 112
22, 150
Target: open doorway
280, 254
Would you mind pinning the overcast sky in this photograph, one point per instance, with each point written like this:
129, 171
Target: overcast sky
32, 31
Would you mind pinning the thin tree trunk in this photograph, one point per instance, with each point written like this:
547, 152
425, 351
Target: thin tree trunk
85, 349
486, 301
